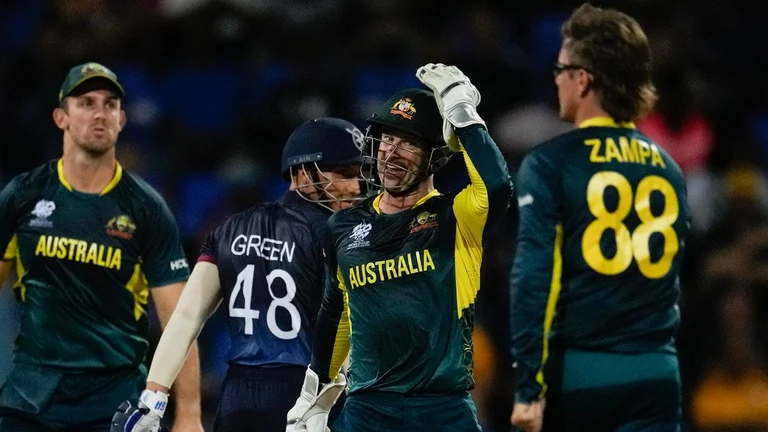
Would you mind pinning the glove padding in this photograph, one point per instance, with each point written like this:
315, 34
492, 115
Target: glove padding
456, 98
310, 413
145, 417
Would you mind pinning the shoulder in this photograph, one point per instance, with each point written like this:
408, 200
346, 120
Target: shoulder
31, 183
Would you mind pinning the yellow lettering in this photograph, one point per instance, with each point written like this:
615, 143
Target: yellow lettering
40, 249
380, 265
411, 269
428, 263
61, 250
402, 267
629, 152
360, 274
645, 151
117, 259
391, 272
50, 246
81, 248
594, 156
371, 272
352, 278
418, 262
656, 156
611, 151
100, 261
92, 254
72, 245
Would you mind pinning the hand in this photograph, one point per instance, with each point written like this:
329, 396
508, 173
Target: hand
456, 98
310, 413
144, 417
529, 417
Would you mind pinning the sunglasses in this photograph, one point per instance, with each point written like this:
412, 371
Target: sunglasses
559, 68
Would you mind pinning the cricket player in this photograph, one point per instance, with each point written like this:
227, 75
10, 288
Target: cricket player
603, 223
403, 270
89, 241
266, 263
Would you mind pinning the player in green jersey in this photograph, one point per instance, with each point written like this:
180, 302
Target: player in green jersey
89, 242
603, 220
403, 270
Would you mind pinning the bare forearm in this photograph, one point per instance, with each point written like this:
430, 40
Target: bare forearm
186, 388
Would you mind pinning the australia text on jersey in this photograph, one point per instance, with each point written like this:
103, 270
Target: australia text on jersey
264, 247
79, 250
381, 270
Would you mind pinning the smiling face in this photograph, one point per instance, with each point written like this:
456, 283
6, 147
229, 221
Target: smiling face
91, 120
400, 160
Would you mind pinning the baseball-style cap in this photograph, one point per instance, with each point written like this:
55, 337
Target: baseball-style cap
84, 72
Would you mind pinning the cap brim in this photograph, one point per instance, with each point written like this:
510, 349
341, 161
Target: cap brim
111, 80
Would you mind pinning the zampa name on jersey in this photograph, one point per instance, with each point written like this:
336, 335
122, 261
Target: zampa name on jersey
382, 270
80, 251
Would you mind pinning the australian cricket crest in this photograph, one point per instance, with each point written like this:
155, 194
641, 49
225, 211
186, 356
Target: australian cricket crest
404, 107
423, 221
43, 210
359, 236
121, 226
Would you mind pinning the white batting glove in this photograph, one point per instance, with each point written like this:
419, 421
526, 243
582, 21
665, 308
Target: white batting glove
310, 413
456, 98
145, 417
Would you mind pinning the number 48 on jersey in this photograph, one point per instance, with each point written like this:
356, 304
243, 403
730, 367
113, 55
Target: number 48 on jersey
244, 284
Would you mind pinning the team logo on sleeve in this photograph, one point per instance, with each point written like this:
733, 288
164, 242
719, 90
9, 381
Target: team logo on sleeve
404, 107
423, 221
121, 226
358, 236
43, 210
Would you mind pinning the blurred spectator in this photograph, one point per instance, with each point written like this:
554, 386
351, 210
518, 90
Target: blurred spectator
733, 395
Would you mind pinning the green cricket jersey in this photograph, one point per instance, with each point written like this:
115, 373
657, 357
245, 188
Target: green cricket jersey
85, 263
401, 287
603, 221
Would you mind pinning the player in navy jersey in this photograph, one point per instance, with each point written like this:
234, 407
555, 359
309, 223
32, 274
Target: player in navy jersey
266, 265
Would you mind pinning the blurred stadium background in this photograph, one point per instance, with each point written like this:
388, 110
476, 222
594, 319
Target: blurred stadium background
215, 87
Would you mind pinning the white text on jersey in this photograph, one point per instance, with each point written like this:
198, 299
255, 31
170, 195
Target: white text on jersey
267, 248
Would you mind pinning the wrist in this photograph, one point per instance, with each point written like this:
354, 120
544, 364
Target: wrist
153, 386
463, 114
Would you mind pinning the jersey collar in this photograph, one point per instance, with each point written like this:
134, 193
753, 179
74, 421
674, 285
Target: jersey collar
605, 122
111, 185
423, 199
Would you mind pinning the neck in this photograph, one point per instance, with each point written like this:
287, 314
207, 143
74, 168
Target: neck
394, 204
590, 108
86, 172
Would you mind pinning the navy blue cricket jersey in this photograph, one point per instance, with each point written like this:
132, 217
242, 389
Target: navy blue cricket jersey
270, 263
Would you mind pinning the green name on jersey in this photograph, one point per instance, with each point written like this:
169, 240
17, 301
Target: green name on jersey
627, 151
79, 251
382, 270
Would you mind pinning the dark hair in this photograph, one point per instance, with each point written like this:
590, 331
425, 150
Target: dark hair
614, 48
